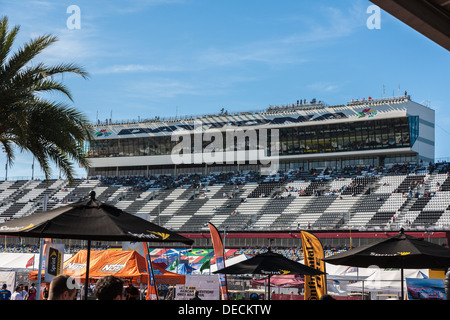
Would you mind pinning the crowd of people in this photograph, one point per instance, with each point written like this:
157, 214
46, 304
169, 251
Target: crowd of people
195, 180
63, 287
20, 292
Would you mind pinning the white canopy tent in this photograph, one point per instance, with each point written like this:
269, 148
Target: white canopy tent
384, 281
19, 261
228, 262
346, 273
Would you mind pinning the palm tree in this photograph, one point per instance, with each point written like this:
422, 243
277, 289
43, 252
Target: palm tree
51, 131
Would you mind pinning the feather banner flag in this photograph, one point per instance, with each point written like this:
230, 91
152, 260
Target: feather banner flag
220, 258
315, 286
152, 289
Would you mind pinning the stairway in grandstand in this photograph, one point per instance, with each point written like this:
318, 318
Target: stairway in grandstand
265, 189
9, 196
234, 212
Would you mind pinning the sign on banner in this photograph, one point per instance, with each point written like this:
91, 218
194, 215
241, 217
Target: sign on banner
8, 278
425, 289
208, 287
136, 246
54, 254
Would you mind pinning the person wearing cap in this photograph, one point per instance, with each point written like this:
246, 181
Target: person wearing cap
5, 294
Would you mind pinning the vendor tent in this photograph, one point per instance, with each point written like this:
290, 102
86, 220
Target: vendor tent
183, 268
21, 261
386, 280
281, 281
228, 262
346, 273
128, 265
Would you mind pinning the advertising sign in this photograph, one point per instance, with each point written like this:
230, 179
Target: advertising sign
425, 289
208, 287
54, 260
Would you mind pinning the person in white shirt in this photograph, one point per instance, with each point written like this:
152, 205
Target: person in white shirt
17, 295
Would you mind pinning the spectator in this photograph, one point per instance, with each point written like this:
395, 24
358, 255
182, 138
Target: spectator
109, 288
45, 291
17, 294
62, 287
131, 292
32, 292
196, 297
5, 294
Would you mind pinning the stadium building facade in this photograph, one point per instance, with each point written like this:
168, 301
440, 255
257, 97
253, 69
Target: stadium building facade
305, 135
185, 173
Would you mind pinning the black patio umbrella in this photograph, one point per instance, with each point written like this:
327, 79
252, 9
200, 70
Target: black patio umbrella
89, 220
269, 263
400, 251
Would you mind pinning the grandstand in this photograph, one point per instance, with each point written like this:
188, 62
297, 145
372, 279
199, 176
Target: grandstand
373, 199
383, 179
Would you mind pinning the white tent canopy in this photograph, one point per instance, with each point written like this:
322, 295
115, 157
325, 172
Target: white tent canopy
228, 262
19, 261
346, 273
383, 280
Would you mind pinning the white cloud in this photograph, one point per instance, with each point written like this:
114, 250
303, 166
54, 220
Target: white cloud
334, 24
161, 88
71, 45
266, 52
291, 49
133, 6
323, 87
131, 68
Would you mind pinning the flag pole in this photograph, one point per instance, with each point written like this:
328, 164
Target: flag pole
88, 258
41, 254
39, 280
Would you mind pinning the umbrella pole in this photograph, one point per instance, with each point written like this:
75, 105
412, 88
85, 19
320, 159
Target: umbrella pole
268, 292
86, 283
403, 290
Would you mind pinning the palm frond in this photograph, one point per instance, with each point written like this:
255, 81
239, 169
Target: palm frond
24, 55
6, 38
51, 131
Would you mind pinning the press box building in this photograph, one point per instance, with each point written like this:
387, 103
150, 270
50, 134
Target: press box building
377, 132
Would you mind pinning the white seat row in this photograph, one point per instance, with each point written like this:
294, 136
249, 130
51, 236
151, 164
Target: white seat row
393, 203
389, 183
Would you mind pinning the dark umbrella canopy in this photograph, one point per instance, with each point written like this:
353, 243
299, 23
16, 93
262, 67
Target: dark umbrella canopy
399, 251
89, 220
269, 263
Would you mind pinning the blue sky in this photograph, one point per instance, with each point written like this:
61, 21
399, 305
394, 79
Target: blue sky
150, 58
